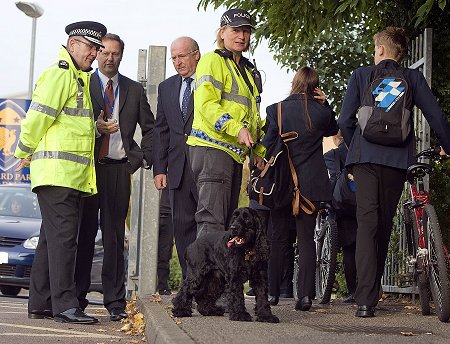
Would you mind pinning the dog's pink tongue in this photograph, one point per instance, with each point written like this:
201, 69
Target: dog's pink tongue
230, 243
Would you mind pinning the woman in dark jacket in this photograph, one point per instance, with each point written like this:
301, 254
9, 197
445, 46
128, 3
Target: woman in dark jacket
306, 112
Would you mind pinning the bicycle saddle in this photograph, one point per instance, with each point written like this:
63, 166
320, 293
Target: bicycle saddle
418, 170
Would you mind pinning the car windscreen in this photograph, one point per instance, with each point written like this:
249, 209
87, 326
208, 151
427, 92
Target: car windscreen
18, 202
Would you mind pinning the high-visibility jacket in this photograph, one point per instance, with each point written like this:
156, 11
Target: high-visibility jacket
58, 130
223, 105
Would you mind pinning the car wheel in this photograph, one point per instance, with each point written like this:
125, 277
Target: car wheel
10, 290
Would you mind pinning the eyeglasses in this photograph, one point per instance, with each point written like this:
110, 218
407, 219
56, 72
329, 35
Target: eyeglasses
182, 56
106, 54
89, 45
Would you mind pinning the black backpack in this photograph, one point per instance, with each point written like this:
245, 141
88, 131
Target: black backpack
276, 185
344, 197
385, 115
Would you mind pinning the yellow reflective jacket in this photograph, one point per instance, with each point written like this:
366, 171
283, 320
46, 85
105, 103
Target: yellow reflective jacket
58, 130
224, 105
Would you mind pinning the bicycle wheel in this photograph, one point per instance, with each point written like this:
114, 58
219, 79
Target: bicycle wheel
327, 260
437, 263
423, 283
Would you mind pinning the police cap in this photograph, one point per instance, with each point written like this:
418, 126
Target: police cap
90, 30
236, 17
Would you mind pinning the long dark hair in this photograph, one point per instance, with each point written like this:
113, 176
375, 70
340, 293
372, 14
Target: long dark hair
304, 83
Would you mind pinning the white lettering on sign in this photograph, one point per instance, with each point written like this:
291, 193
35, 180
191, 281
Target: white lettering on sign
3, 257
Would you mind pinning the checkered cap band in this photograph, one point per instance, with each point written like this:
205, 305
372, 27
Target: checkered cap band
86, 32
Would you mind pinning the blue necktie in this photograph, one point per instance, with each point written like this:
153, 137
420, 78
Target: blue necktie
186, 96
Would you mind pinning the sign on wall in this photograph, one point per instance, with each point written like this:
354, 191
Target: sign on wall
12, 112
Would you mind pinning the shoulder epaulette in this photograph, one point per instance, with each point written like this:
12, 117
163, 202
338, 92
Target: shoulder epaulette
224, 53
63, 64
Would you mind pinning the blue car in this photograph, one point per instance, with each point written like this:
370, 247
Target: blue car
20, 222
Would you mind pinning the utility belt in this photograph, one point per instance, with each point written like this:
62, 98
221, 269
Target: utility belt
109, 161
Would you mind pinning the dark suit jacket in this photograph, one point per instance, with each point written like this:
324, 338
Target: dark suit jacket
171, 132
362, 151
133, 109
306, 151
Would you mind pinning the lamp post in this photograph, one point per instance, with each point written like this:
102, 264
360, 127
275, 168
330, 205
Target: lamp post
34, 11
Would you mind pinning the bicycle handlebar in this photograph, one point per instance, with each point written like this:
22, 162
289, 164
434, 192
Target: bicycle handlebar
431, 152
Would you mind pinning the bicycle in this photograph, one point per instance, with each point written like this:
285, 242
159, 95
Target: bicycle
326, 239
427, 254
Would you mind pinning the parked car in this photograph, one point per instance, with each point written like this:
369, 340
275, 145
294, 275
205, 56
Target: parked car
20, 222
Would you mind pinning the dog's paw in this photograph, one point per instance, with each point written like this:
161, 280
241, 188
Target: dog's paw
268, 318
181, 313
244, 316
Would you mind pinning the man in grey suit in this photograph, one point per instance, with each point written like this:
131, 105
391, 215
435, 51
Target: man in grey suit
119, 104
173, 124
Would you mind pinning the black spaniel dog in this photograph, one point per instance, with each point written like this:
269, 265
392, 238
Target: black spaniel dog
220, 262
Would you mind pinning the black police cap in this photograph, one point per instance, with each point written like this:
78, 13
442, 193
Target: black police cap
236, 17
90, 30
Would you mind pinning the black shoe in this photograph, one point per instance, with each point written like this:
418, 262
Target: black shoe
365, 311
250, 292
44, 314
74, 316
349, 299
273, 300
117, 314
304, 304
165, 292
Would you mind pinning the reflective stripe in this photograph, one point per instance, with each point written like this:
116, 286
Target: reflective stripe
77, 112
203, 136
221, 122
45, 109
205, 78
62, 156
237, 98
24, 148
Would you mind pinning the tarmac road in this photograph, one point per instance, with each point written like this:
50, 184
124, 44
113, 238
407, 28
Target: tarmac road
16, 328
395, 322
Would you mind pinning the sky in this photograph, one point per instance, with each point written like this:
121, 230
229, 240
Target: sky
140, 23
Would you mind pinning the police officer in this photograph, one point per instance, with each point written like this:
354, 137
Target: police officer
57, 142
226, 122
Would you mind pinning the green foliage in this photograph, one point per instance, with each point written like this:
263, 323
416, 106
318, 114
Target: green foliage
175, 276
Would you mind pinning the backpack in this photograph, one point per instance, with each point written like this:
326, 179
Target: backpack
344, 188
385, 115
276, 185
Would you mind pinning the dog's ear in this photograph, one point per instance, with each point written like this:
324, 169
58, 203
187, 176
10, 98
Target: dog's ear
262, 247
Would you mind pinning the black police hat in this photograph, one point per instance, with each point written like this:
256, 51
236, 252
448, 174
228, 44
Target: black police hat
90, 30
236, 17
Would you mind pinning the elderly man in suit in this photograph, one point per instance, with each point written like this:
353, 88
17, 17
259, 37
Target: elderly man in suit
170, 160
119, 104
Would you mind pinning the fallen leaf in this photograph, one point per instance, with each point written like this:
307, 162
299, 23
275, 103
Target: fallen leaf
407, 333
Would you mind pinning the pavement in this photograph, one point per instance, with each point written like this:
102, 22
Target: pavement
397, 321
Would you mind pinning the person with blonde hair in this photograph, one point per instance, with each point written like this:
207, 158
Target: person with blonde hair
226, 124
379, 170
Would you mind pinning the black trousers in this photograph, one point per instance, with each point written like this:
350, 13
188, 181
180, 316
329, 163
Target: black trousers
52, 284
347, 227
183, 201
304, 225
378, 190
281, 236
113, 198
165, 240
